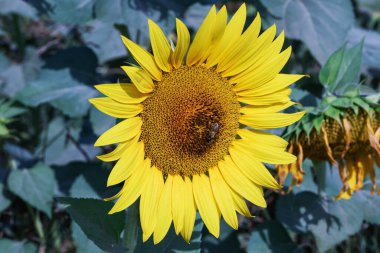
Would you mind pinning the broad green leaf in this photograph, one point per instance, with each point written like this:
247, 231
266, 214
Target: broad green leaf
275, 7
93, 218
371, 47
226, 243
35, 186
173, 243
318, 23
342, 68
328, 220
95, 175
82, 189
100, 122
5, 198
14, 76
370, 205
60, 149
82, 243
10, 246
71, 11
59, 89
19, 7
104, 40
345, 219
270, 237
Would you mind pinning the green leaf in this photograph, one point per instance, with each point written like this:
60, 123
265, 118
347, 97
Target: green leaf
104, 40
17, 7
342, 102
226, 243
82, 243
100, 122
82, 189
371, 48
362, 103
317, 123
370, 205
329, 221
35, 186
71, 11
7, 110
58, 148
93, 218
334, 113
318, 23
5, 198
274, 7
346, 217
173, 242
59, 89
10, 246
270, 237
342, 68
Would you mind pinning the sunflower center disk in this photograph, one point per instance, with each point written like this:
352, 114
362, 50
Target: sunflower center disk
189, 121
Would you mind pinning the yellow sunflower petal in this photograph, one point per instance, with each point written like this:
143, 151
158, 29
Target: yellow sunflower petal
122, 92
262, 56
240, 183
280, 82
140, 79
270, 120
183, 42
261, 74
220, 25
240, 204
281, 96
143, 58
160, 46
118, 151
149, 201
116, 109
125, 130
230, 36
199, 48
131, 159
262, 138
190, 211
205, 202
253, 109
252, 168
242, 63
178, 203
164, 211
243, 45
223, 197
133, 188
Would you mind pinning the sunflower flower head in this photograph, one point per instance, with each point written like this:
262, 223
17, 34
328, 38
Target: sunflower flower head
180, 145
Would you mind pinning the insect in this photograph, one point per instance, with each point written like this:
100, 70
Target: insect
214, 129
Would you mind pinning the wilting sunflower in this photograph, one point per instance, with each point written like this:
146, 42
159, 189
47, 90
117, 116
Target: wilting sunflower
180, 146
350, 140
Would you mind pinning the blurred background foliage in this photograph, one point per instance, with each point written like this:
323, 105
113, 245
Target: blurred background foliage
53, 52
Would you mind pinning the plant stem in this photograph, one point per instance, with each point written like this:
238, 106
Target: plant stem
131, 229
38, 226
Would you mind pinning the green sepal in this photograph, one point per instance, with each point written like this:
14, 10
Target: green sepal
334, 113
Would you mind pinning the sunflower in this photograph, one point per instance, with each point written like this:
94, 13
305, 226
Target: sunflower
180, 148
351, 141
